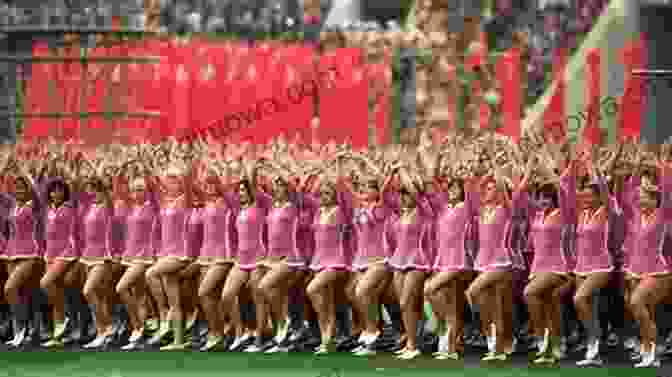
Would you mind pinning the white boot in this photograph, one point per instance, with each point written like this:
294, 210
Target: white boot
543, 344
592, 355
493, 355
649, 359
446, 351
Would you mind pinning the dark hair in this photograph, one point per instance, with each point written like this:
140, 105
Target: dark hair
280, 181
460, 184
586, 183
23, 180
58, 185
97, 184
373, 183
549, 191
248, 186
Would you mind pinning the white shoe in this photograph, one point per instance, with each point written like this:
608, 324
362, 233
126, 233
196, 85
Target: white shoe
401, 351
495, 356
365, 351
362, 338
444, 341
238, 341
630, 343
277, 349
544, 343
175, 347
371, 338
135, 336
408, 355
18, 338
253, 349
592, 355
447, 356
491, 343
596, 362
98, 342
131, 346
593, 350
649, 359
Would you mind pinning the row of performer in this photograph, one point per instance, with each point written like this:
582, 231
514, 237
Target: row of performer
184, 230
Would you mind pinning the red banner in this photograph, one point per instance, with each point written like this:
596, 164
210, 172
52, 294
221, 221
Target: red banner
633, 102
37, 96
592, 132
241, 93
555, 124
509, 76
381, 77
344, 108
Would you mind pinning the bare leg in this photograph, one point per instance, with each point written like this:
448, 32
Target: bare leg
209, 293
504, 314
646, 296
358, 313
21, 273
556, 313
53, 283
321, 293
235, 281
436, 288
583, 298
168, 271
367, 294
410, 301
94, 290
158, 294
495, 283
539, 296
259, 299
275, 286
131, 289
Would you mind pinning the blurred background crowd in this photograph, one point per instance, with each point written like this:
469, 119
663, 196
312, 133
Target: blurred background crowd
543, 26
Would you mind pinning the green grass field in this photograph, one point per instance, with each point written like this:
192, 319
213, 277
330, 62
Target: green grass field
192, 364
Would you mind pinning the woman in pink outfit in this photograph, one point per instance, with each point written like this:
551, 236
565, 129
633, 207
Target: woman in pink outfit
283, 250
25, 211
552, 238
61, 252
376, 204
250, 206
177, 205
594, 261
96, 213
332, 257
412, 257
142, 239
190, 276
217, 254
648, 209
453, 201
493, 287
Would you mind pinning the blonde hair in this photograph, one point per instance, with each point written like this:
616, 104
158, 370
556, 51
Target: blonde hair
138, 184
174, 171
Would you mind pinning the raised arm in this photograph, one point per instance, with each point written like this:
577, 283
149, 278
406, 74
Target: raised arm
567, 194
472, 196
345, 198
665, 174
